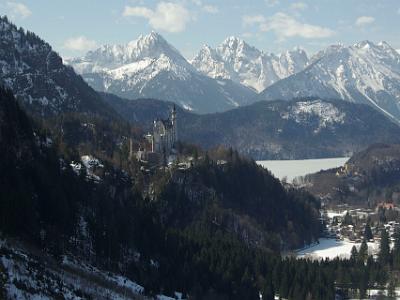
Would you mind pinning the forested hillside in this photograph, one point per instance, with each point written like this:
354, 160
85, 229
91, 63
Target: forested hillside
39, 79
204, 224
298, 129
369, 177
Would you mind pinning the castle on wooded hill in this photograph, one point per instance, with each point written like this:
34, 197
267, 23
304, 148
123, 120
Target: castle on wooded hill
161, 143
165, 134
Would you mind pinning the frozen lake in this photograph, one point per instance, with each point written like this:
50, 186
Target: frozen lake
294, 168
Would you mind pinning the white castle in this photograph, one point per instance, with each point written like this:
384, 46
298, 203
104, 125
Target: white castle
161, 142
165, 134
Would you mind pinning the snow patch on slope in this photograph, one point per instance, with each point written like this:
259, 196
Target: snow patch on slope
303, 111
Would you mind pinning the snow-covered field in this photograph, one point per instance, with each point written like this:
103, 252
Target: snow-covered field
332, 248
294, 168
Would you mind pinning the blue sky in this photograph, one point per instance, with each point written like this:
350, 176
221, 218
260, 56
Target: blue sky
73, 27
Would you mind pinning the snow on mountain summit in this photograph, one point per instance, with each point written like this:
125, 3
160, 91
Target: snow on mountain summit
149, 67
364, 73
229, 75
107, 57
236, 60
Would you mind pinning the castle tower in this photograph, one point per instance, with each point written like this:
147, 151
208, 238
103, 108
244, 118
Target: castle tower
174, 126
130, 148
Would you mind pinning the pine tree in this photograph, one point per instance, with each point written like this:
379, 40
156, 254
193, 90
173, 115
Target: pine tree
384, 252
368, 232
363, 283
391, 288
285, 283
268, 291
354, 254
363, 252
396, 250
397, 239
348, 220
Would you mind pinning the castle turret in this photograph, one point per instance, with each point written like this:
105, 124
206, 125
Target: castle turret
174, 125
130, 148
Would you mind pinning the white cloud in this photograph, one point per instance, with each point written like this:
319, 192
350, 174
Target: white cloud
167, 16
137, 11
364, 20
247, 35
248, 20
398, 51
211, 9
17, 9
80, 43
271, 3
208, 8
298, 6
286, 26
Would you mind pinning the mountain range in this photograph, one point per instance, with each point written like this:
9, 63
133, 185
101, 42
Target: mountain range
215, 80
236, 60
151, 67
235, 74
362, 73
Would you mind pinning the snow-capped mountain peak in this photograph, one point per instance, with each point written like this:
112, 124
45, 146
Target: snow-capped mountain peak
364, 72
236, 60
364, 44
215, 67
153, 45
107, 57
143, 58
234, 48
291, 62
234, 42
207, 52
